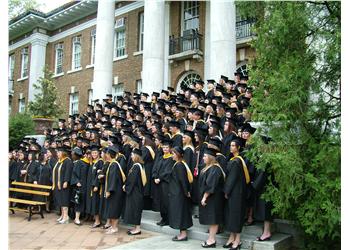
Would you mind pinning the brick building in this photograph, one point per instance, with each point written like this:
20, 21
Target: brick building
173, 41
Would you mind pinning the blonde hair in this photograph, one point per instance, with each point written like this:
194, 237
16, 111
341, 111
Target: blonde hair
138, 159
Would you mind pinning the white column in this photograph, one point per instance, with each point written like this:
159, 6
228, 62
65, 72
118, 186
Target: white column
222, 39
207, 74
153, 46
167, 77
37, 62
103, 69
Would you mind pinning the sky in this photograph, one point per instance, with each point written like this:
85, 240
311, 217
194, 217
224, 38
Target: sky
48, 5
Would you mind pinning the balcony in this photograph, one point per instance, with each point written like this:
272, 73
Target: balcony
187, 46
10, 86
243, 31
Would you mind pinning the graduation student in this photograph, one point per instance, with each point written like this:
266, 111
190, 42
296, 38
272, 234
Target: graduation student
44, 175
79, 182
134, 188
114, 194
61, 176
164, 173
211, 182
189, 155
93, 186
235, 190
101, 176
181, 178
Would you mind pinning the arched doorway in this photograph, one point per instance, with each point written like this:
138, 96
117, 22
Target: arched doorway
186, 79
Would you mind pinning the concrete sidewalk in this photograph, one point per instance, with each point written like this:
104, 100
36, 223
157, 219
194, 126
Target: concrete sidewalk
45, 233
161, 242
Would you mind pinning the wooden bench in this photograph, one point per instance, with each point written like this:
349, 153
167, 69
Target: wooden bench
30, 203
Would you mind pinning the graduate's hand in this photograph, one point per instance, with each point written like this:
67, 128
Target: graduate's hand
188, 194
156, 181
35, 182
108, 194
65, 185
124, 188
95, 189
99, 171
204, 202
23, 171
100, 176
226, 196
78, 184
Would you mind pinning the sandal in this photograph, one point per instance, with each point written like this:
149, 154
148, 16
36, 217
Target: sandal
259, 239
206, 245
106, 226
95, 226
111, 231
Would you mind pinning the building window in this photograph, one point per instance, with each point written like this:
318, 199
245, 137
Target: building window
138, 86
141, 30
21, 105
11, 66
76, 53
74, 104
119, 46
24, 64
117, 90
187, 79
58, 58
119, 38
90, 95
190, 15
93, 46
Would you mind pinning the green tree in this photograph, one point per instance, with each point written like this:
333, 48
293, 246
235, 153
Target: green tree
17, 7
20, 125
296, 75
45, 104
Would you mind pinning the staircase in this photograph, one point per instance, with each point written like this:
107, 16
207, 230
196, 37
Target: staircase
249, 234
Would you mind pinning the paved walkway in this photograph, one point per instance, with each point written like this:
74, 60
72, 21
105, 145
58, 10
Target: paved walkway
45, 233
161, 242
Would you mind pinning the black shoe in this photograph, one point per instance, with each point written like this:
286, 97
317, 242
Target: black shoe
206, 245
229, 245
160, 222
95, 226
164, 223
175, 238
259, 239
196, 216
247, 224
237, 247
131, 233
78, 224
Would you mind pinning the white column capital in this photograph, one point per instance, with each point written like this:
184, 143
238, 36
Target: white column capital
39, 39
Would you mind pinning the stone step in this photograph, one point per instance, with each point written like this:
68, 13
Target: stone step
278, 241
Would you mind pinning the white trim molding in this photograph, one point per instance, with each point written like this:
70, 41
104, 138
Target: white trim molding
120, 58
74, 70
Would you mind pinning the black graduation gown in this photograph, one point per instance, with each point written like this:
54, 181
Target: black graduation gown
122, 161
155, 189
102, 181
221, 159
190, 158
62, 172
44, 178
176, 140
180, 216
251, 194
32, 172
13, 171
79, 175
164, 176
183, 124
236, 189
114, 184
210, 94
211, 181
93, 198
127, 149
195, 185
134, 196
148, 166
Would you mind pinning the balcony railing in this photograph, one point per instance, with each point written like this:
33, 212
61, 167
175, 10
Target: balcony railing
10, 85
190, 41
243, 29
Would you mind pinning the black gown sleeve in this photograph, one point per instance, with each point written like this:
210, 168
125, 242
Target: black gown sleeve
212, 179
232, 176
181, 175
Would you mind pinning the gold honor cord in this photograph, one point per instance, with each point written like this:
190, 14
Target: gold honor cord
151, 151
143, 174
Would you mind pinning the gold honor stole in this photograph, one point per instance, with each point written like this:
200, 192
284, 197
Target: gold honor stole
189, 174
151, 151
143, 174
245, 169
121, 172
